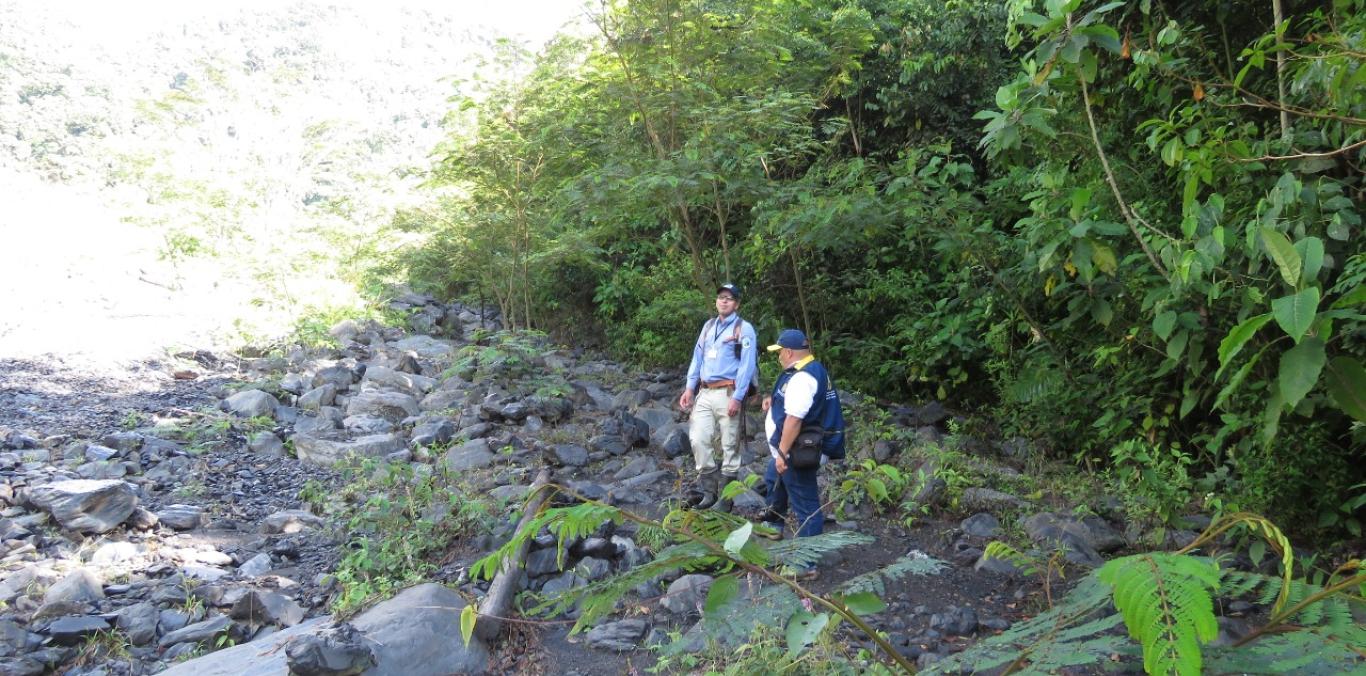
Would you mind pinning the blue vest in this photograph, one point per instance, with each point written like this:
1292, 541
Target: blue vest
825, 410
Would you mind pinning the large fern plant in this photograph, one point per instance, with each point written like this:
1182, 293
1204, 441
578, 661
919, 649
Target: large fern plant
749, 589
1166, 601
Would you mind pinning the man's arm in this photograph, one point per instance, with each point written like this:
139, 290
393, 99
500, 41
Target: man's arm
748, 359
694, 373
792, 426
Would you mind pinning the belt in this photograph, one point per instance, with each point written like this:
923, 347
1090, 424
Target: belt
717, 384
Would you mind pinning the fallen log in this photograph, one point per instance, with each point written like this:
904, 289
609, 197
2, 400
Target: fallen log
504, 587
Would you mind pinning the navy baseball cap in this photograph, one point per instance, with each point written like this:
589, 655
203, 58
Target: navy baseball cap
729, 288
791, 339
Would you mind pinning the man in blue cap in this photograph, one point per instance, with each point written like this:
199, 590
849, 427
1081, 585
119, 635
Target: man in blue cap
804, 399
723, 368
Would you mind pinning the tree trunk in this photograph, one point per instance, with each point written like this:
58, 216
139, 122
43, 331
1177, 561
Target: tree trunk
505, 585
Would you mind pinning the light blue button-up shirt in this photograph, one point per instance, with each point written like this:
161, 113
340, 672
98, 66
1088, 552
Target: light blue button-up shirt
713, 355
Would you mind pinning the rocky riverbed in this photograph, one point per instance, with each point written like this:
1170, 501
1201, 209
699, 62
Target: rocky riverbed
154, 516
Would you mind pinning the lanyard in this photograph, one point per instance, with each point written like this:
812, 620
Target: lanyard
722, 327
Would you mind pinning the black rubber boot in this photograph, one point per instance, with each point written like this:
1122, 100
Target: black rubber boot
706, 483
723, 504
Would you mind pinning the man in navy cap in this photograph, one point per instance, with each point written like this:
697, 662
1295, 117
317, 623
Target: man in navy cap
723, 368
804, 398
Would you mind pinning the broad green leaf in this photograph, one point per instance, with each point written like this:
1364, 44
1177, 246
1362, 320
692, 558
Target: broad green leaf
722, 592
1172, 151
1104, 258
1234, 341
1347, 386
733, 490
1177, 344
1163, 324
877, 490
864, 603
1257, 551
1283, 253
1080, 198
1310, 250
737, 539
803, 629
1300, 368
1237, 380
1295, 314
467, 617
1188, 401
1271, 418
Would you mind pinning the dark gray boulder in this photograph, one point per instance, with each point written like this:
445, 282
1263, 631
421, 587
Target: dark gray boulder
621, 636
86, 505
251, 404
417, 633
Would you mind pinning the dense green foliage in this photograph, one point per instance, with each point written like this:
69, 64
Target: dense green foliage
1135, 231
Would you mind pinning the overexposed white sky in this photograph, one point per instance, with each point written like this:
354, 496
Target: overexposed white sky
103, 21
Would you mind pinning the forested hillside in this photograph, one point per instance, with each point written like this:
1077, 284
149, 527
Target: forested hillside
1128, 232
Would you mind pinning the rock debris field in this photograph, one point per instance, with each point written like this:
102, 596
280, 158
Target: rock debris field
154, 518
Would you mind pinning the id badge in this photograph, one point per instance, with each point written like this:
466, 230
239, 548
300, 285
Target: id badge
712, 352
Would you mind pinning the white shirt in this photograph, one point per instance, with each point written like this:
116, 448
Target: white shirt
797, 400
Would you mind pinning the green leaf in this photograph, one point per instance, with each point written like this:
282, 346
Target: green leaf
467, 617
1163, 324
1237, 380
803, 629
1283, 253
1347, 386
1257, 551
1080, 198
864, 603
877, 490
1295, 314
1356, 296
1177, 345
1172, 152
1310, 250
722, 592
1234, 341
1300, 368
733, 490
1104, 258
737, 538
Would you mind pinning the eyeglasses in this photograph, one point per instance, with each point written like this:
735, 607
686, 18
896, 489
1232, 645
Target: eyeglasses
730, 299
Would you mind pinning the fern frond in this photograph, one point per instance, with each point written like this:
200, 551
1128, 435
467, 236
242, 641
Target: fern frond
1000, 550
1311, 651
1076, 631
598, 599
735, 622
1034, 382
915, 563
806, 552
1333, 612
1167, 605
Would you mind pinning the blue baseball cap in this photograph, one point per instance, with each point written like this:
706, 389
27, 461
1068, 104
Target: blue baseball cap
729, 288
791, 339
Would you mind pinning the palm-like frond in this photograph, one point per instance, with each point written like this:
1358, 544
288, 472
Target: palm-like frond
1167, 605
915, 563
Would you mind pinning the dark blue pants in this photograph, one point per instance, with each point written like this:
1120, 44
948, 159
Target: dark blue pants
798, 487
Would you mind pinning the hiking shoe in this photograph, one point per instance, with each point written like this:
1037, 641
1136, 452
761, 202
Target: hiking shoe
768, 532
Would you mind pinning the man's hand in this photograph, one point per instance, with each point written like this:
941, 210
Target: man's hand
732, 409
780, 463
768, 401
685, 401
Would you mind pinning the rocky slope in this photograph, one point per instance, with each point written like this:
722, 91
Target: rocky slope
130, 544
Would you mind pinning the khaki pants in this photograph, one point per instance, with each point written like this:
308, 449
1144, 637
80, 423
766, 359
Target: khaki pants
709, 413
